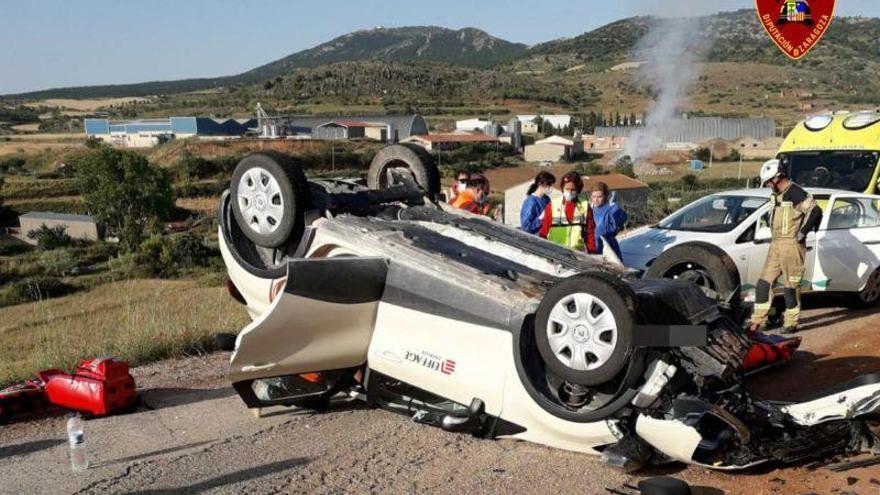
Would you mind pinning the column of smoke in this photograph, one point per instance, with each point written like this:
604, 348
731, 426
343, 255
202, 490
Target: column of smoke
671, 66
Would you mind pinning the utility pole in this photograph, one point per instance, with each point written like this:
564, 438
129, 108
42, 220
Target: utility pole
711, 154
740, 173
333, 155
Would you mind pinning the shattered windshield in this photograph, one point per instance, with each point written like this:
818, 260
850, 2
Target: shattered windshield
713, 214
847, 170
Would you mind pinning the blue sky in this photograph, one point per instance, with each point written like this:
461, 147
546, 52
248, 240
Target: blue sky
52, 43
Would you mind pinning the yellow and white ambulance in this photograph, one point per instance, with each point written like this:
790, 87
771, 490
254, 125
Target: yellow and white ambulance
835, 151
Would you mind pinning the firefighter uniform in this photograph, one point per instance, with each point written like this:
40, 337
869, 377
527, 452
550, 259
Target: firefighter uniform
793, 213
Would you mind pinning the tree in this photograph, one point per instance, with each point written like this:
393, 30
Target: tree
124, 192
624, 165
702, 153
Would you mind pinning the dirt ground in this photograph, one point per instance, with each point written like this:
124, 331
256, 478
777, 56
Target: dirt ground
199, 438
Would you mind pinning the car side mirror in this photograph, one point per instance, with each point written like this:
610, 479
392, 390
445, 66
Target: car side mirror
763, 234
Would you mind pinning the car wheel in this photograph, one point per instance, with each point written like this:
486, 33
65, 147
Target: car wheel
584, 328
268, 198
707, 266
391, 161
870, 295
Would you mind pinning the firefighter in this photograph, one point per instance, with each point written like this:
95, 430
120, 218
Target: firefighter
793, 214
568, 220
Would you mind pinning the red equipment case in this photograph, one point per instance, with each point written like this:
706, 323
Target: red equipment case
21, 398
98, 386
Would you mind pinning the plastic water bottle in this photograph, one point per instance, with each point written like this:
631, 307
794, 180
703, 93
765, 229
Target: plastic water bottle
76, 438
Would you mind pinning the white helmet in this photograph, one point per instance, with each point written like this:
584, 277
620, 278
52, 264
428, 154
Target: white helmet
769, 170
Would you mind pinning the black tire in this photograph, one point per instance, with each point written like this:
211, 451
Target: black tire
870, 295
293, 189
705, 265
619, 299
224, 341
407, 155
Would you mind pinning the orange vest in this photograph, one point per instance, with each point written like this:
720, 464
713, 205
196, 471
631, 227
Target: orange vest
466, 201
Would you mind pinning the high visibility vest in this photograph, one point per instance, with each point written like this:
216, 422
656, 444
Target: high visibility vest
466, 201
565, 233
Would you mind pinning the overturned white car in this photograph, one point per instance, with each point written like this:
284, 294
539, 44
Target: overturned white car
463, 323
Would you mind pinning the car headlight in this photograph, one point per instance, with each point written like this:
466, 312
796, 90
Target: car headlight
818, 122
861, 120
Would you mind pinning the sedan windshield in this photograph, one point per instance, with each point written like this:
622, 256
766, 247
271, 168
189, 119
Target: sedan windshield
846, 170
713, 214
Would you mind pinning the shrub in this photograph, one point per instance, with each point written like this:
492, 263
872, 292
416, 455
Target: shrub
591, 168
191, 167
33, 289
166, 257
733, 156
49, 238
702, 153
625, 166
185, 252
11, 163
10, 246
59, 262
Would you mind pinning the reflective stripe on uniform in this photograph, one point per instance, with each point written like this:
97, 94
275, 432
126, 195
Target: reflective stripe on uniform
762, 306
786, 216
565, 233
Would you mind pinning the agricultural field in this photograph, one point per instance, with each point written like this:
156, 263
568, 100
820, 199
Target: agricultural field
86, 104
719, 170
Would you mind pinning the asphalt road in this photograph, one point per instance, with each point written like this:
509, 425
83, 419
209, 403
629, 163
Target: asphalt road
199, 438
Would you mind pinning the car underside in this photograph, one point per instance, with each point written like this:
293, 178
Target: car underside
384, 293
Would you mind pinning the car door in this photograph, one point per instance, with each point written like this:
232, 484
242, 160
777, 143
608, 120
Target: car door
316, 330
761, 246
848, 243
754, 244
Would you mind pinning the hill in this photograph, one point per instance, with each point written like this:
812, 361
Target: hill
444, 73
468, 47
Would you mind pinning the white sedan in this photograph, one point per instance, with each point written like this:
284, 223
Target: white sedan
721, 241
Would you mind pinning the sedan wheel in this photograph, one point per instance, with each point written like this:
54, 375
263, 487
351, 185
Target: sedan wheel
268, 199
260, 201
584, 328
582, 332
870, 295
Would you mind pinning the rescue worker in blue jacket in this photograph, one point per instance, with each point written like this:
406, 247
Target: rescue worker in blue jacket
609, 217
531, 214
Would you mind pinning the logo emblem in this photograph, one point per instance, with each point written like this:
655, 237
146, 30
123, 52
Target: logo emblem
448, 367
795, 25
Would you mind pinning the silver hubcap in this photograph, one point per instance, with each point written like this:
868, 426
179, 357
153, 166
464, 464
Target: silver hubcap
582, 331
260, 201
872, 289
